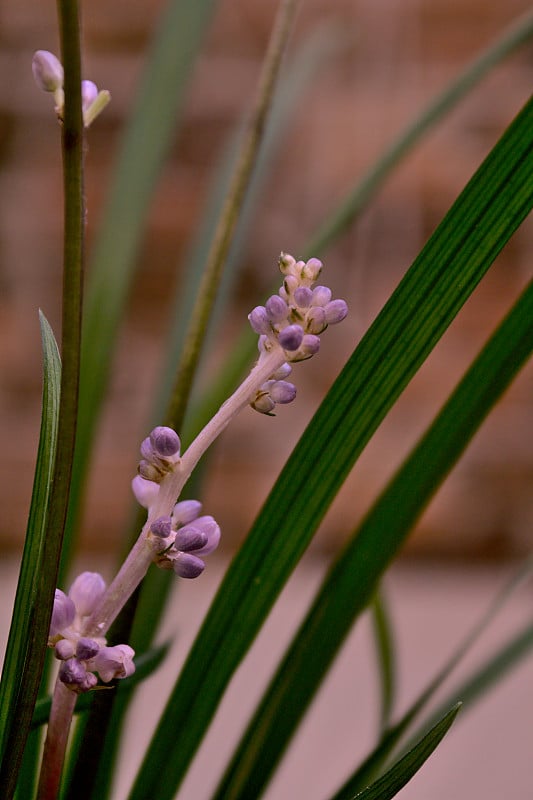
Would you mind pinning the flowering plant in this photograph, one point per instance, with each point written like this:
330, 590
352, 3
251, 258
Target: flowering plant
101, 636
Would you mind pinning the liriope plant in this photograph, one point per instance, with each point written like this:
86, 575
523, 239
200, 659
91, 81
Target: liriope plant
101, 636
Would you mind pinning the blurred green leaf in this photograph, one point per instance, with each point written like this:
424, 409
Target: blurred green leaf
496, 666
401, 773
385, 652
449, 267
18, 675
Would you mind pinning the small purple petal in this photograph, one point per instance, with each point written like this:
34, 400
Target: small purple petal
312, 269
72, 673
310, 344
212, 530
146, 449
185, 511
63, 613
290, 284
303, 296
336, 311
276, 309
114, 662
290, 338
89, 93
47, 71
64, 649
190, 538
259, 320
86, 649
283, 372
315, 320
86, 591
165, 441
321, 296
188, 566
161, 527
145, 491
283, 392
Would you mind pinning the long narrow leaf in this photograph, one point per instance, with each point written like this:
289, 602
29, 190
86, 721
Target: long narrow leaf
401, 773
14, 708
504, 659
349, 586
385, 652
438, 283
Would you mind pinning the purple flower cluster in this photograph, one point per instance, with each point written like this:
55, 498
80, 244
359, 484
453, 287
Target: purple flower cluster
184, 538
160, 452
82, 656
293, 320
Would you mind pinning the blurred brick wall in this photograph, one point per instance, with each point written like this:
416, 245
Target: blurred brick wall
390, 58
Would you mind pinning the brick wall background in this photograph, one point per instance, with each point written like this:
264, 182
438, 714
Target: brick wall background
388, 60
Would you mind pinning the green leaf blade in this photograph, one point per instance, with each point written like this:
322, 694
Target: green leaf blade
17, 676
424, 304
401, 773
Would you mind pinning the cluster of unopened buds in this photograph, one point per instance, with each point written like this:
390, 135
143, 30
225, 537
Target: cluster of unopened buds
82, 656
292, 319
48, 74
182, 538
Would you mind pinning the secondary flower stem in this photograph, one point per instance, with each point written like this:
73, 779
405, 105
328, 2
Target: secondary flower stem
63, 704
140, 557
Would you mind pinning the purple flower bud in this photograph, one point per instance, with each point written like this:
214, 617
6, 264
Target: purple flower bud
303, 296
188, 566
47, 71
86, 649
114, 662
190, 538
276, 309
149, 471
259, 320
147, 452
336, 311
165, 441
290, 338
145, 491
185, 511
312, 269
310, 344
286, 263
283, 392
210, 527
64, 649
283, 372
73, 673
321, 296
63, 613
161, 527
89, 93
315, 320
86, 591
